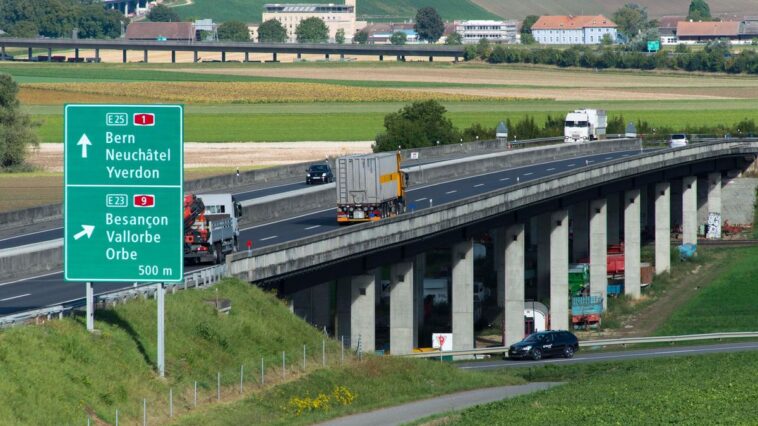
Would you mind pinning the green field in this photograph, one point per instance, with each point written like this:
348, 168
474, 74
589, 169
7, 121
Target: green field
353, 126
698, 390
728, 304
251, 10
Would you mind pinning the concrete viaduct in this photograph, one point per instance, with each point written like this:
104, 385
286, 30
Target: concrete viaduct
400, 52
598, 201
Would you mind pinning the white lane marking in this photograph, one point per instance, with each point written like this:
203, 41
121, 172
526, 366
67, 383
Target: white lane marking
289, 218
609, 158
477, 186
15, 297
31, 233
590, 161
570, 165
626, 155
421, 199
672, 352
268, 238
528, 174
551, 169
29, 278
452, 192
312, 227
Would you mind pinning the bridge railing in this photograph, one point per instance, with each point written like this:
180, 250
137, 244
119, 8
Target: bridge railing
200, 278
598, 343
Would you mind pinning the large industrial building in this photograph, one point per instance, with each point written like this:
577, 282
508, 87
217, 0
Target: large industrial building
335, 16
493, 31
573, 29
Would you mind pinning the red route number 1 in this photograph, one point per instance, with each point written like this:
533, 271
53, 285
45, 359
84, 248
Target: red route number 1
144, 119
144, 200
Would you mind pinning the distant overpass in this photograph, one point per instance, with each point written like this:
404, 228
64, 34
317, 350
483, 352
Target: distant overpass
328, 50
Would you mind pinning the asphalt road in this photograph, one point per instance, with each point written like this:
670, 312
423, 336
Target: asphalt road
43, 291
587, 357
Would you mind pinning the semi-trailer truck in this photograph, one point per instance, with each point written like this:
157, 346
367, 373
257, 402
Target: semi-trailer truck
369, 187
211, 227
585, 125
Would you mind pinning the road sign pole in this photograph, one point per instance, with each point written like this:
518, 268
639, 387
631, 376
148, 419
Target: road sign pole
90, 308
161, 330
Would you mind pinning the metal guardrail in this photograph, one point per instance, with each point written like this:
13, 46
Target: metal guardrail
597, 343
200, 278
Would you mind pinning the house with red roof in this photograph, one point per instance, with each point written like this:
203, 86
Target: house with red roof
560, 29
702, 32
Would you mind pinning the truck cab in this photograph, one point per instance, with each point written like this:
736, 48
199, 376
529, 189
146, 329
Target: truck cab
211, 228
584, 125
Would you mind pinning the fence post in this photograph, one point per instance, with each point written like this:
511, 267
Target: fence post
323, 352
218, 386
303, 357
195, 401
171, 402
144, 412
242, 375
116, 416
284, 365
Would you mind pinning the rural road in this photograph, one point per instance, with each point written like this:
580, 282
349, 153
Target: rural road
420, 409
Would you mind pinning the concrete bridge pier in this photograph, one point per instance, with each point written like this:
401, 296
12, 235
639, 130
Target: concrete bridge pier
76, 54
513, 329
662, 227
363, 312
543, 256
714, 195
403, 334
614, 218
195, 56
145, 56
314, 305
381, 58
419, 272
49, 54
173, 56
97, 55
463, 295
559, 261
632, 203
123, 56
498, 243
274, 57
599, 249
580, 227
326, 56
247, 56
29, 52
223, 56
689, 210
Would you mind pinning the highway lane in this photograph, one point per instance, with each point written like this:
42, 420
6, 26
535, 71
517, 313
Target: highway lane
583, 357
422, 197
43, 291
57, 230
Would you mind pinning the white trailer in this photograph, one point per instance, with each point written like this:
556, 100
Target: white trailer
584, 125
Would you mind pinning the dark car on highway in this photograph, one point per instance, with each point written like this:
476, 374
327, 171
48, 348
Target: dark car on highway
545, 343
319, 173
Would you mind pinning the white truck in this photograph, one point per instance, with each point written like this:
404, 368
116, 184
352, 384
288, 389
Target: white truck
584, 125
211, 227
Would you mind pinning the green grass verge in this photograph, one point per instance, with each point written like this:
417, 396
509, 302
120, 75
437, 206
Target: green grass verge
350, 126
681, 390
727, 304
375, 382
58, 373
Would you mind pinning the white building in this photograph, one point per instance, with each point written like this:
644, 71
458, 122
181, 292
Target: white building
573, 29
494, 31
335, 16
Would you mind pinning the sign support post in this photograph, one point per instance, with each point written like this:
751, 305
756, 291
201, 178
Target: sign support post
90, 307
161, 358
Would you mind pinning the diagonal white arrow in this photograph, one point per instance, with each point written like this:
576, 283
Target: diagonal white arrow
86, 230
84, 143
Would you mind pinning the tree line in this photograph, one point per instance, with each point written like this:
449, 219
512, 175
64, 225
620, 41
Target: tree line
59, 18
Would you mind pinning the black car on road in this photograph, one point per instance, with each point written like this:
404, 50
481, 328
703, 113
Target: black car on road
319, 173
545, 343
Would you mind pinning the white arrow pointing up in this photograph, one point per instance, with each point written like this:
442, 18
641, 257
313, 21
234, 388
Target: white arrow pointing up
84, 142
86, 230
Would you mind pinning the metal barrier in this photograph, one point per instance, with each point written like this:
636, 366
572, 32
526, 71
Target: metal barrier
201, 278
598, 343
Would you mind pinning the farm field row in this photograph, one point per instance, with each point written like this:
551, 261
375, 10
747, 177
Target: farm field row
358, 126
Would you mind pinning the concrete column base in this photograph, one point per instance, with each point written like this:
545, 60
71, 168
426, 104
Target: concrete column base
599, 249
463, 295
632, 202
513, 330
662, 227
402, 312
559, 261
363, 312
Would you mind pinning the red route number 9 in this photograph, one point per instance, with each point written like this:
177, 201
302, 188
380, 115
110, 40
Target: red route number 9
142, 200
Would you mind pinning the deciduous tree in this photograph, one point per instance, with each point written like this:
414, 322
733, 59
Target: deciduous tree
272, 31
16, 134
429, 25
233, 31
162, 13
312, 30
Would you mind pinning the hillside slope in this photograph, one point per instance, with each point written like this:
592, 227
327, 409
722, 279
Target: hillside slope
656, 8
251, 10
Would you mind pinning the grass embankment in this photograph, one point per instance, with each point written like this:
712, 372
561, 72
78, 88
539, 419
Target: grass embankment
682, 390
57, 373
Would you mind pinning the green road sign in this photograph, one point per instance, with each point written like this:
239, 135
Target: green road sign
123, 193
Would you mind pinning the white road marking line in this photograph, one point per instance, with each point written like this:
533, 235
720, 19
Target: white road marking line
451, 192
551, 169
15, 297
504, 179
312, 227
268, 238
421, 199
609, 158
570, 165
528, 174
31, 233
477, 186
30, 278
